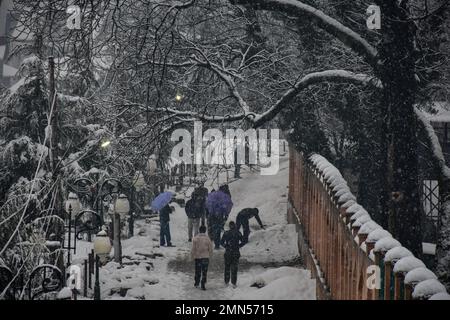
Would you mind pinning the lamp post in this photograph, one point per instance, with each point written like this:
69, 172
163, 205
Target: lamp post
138, 184
102, 246
102, 196
73, 207
121, 210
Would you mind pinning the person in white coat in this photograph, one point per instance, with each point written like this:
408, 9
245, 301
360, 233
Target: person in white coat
202, 249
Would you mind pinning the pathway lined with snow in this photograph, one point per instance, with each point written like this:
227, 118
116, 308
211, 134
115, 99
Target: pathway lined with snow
269, 266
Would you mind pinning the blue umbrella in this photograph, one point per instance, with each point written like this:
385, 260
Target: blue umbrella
219, 204
161, 200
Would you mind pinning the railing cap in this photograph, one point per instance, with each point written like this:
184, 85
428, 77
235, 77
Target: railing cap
335, 181
395, 254
355, 208
385, 244
419, 274
440, 296
368, 227
361, 220
341, 188
407, 264
348, 204
428, 288
378, 234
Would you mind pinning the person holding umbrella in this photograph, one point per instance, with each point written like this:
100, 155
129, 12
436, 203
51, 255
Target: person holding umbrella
161, 204
219, 206
164, 220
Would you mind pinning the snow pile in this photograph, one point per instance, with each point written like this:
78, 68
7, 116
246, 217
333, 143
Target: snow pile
386, 244
276, 244
348, 204
427, 288
361, 220
419, 274
359, 213
368, 227
440, 296
402, 258
353, 209
396, 254
377, 234
285, 283
407, 264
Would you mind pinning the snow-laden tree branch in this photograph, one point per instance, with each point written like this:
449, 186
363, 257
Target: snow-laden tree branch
335, 76
257, 120
346, 35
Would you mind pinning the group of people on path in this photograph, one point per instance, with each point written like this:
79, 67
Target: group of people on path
202, 243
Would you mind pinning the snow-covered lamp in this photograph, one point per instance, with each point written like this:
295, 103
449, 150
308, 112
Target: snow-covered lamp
74, 203
139, 181
122, 206
102, 246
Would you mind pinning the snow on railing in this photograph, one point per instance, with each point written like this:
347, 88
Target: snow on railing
349, 246
396, 258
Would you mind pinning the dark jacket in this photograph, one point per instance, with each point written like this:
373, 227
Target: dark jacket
189, 208
232, 240
194, 209
164, 214
246, 214
225, 189
200, 192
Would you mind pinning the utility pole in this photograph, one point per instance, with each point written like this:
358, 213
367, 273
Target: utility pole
116, 242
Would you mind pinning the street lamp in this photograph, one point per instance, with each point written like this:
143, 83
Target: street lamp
122, 206
138, 184
73, 205
105, 144
139, 181
102, 246
121, 210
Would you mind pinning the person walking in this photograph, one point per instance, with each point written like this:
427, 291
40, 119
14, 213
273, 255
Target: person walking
217, 223
201, 193
194, 211
232, 241
202, 248
164, 220
242, 219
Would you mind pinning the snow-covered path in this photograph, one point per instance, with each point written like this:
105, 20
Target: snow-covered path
269, 259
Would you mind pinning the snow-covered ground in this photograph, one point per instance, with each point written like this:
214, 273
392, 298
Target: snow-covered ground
269, 267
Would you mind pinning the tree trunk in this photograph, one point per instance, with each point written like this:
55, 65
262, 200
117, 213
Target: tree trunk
397, 73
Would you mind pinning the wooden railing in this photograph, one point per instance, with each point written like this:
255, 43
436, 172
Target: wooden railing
350, 255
